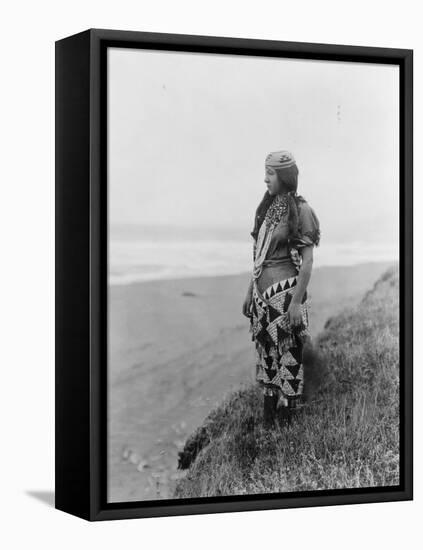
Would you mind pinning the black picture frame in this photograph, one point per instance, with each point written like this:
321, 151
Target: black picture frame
81, 272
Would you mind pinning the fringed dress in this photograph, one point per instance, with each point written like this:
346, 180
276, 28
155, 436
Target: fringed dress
278, 347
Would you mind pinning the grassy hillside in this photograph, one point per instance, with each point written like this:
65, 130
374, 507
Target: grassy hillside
346, 436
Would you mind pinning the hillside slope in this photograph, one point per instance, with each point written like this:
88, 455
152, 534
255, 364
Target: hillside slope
347, 436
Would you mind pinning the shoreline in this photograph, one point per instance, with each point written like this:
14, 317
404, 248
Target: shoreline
370, 264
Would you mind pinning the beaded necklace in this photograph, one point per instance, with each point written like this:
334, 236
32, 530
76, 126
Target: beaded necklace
274, 214
276, 210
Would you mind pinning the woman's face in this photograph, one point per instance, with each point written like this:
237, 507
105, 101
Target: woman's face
271, 180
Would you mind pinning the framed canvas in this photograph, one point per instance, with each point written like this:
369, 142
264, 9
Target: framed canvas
234, 252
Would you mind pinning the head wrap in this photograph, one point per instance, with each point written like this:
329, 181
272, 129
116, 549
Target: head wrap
280, 159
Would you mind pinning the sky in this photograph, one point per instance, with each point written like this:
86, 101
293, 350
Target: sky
188, 135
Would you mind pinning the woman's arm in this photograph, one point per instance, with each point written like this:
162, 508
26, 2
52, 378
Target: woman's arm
248, 300
304, 274
250, 286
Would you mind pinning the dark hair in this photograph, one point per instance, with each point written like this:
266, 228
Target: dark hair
288, 181
288, 178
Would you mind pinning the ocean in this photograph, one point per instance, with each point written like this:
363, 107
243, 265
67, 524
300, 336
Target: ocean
146, 254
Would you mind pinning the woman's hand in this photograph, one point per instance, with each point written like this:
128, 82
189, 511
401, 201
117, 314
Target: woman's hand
246, 306
294, 314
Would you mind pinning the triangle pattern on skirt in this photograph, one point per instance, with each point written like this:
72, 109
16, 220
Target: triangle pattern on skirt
277, 287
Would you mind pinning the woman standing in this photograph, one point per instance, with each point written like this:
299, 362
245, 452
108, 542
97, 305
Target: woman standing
285, 231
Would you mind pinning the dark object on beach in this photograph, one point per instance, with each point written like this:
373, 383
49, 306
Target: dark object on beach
193, 446
188, 293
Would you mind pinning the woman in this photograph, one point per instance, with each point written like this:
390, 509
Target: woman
285, 232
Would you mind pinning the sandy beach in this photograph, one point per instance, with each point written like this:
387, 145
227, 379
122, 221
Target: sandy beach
176, 347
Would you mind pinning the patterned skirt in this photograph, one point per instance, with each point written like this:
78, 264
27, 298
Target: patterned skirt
278, 346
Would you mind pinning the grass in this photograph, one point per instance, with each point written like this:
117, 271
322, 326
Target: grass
347, 436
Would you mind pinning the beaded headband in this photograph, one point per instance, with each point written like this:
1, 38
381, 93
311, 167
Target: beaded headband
280, 159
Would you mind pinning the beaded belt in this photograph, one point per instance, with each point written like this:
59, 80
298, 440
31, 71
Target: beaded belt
278, 261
